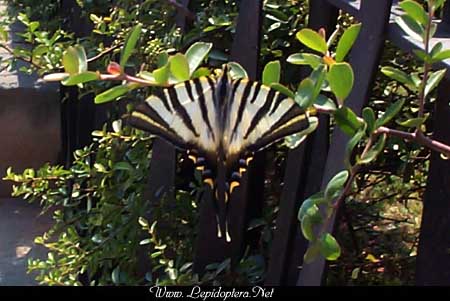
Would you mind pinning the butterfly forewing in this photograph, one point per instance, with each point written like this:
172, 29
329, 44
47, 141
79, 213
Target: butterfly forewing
183, 115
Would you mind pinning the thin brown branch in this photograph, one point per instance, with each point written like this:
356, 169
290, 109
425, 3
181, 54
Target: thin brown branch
103, 53
417, 137
18, 57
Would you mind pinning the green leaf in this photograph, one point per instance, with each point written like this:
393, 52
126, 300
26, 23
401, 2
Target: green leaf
415, 11
373, 153
310, 205
411, 27
200, 72
436, 49
123, 166
271, 73
179, 67
237, 71
111, 94
347, 120
312, 252
70, 60
293, 141
162, 59
161, 75
441, 56
325, 103
130, 44
351, 144
82, 58
340, 78
80, 78
329, 248
413, 122
335, 185
390, 113
283, 89
305, 92
313, 40
307, 226
346, 42
74, 60
434, 80
398, 75
305, 59
369, 116
196, 54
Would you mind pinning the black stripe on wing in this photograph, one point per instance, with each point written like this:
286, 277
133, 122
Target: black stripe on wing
293, 121
181, 110
147, 119
201, 101
261, 112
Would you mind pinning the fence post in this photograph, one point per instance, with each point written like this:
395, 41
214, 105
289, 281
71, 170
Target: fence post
77, 115
209, 248
303, 176
433, 256
364, 59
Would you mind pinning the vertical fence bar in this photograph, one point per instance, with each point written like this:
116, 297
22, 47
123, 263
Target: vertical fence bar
364, 60
433, 256
303, 174
209, 248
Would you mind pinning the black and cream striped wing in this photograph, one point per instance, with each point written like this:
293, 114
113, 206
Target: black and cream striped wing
183, 115
259, 116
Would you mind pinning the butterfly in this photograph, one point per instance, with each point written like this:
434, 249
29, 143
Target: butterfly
221, 123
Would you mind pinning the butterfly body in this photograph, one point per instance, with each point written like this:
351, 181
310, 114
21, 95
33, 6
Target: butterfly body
221, 123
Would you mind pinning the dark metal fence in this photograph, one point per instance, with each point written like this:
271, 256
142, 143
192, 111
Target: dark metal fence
310, 166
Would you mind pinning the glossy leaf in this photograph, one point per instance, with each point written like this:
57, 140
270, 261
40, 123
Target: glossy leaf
305, 59
398, 75
441, 56
80, 78
304, 94
271, 73
340, 78
346, 42
329, 247
413, 122
130, 44
411, 27
369, 117
196, 54
335, 185
309, 206
324, 102
161, 75
111, 94
390, 113
415, 11
283, 89
201, 72
179, 67
312, 40
351, 144
70, 60
237, 71
347, 120
434, 80
373, 153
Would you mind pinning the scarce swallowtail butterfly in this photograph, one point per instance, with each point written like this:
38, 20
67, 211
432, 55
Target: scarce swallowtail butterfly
221, 123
